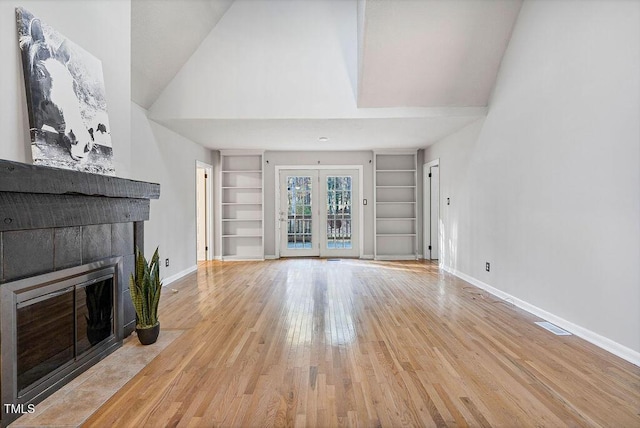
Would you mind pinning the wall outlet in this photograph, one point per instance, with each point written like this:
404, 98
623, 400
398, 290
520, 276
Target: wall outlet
487, 266
166, 263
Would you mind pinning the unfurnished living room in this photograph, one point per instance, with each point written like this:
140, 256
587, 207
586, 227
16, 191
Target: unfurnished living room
320, 213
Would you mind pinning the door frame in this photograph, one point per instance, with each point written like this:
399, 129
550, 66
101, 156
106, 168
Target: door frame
426, 207
208, 169
360, 169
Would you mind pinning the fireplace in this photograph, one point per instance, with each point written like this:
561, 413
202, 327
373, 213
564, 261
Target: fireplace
67, 245
57, 324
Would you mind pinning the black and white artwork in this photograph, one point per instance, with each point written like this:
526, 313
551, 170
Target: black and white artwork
65, 99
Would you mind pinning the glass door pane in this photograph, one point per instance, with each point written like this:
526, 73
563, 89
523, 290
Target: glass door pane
299, 209
339, 210
339, 213
298, 218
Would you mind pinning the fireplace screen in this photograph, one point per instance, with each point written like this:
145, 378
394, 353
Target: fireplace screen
54, 328
56, 325
45, 333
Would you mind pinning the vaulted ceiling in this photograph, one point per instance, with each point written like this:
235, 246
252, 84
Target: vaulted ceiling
280, 74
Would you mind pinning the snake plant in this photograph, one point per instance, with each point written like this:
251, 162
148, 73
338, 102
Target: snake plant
145, 288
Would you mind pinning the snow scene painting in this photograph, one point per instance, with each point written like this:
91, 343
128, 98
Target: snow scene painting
65, 98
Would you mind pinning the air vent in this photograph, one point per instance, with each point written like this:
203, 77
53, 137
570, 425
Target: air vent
553, 328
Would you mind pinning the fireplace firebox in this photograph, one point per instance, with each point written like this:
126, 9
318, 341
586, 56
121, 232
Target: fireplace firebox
56, 325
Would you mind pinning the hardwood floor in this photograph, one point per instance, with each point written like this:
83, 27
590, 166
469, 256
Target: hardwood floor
361, 343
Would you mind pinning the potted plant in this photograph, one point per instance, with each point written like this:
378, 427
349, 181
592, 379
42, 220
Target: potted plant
145, 288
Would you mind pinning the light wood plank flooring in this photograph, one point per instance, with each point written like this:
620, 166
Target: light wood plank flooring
359, 343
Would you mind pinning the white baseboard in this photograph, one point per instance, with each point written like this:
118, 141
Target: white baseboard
270, 257
605, 343
405, 257
173, 278
367, 257
217, 258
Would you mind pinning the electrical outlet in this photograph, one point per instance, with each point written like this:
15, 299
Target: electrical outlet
487, 267
166, 263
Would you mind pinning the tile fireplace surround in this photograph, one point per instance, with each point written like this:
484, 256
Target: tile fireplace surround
54, 220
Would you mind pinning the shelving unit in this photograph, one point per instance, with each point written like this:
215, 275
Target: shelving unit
395, 205
242, 212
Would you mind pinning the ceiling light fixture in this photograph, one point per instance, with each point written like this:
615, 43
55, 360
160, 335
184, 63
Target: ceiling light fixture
323, 139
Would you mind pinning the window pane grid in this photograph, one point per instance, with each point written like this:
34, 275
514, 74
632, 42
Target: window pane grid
339, 208
299, 212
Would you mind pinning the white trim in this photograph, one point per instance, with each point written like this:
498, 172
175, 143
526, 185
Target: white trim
217, 258
398, 257
605, 343
426, 206
241, 152
177, 276
367, 257
360, 169
242, 258
270, 257
398, 152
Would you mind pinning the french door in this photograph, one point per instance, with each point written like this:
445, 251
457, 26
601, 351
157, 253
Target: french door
319, 213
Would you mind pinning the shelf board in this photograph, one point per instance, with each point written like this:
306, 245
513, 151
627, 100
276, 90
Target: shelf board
242, 203
242, 187
395, 170
397, 202
396, 218
241, 219
392, 235
235, 171
242, 236
396, 187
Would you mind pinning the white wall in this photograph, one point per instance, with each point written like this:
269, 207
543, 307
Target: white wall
102, 28
161, 156
547, 188
312, 158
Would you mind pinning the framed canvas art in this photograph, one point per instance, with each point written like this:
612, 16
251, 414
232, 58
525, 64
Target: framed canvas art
66, 100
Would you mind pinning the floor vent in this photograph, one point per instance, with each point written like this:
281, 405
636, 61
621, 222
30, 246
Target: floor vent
553, 328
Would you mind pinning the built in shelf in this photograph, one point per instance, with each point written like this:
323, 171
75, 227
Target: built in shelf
241, 184
395, 205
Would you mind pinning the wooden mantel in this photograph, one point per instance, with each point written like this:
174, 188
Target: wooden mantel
34, 197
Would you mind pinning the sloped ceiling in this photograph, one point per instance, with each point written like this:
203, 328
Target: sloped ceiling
279, 74
164, 34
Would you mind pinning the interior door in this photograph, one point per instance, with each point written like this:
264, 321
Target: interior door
339, 213
434, 172
201, 207
298, 213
